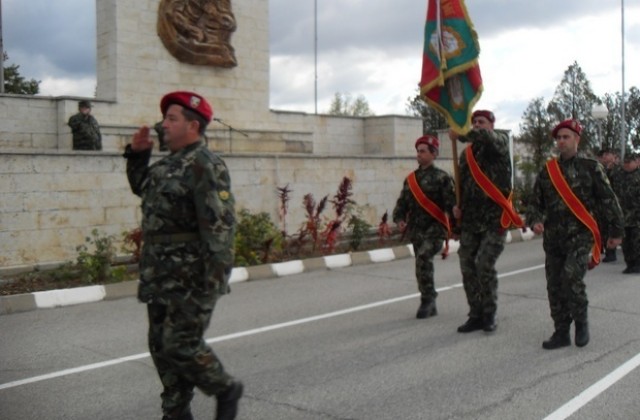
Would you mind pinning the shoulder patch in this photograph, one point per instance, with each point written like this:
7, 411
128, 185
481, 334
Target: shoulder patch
224, 195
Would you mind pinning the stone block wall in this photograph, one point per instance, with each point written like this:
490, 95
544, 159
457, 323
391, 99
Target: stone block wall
51, 202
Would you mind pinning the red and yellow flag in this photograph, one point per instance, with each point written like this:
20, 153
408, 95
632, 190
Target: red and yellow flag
451, 81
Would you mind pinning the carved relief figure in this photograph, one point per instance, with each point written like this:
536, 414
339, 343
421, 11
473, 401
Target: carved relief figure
198, 31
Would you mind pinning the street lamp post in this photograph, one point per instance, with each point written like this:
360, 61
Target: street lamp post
600, 113
623, 126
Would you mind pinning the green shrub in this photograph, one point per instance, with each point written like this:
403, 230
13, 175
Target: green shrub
257, 239
95, 267
358, 228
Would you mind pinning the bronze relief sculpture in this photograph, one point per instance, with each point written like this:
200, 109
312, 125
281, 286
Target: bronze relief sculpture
198, 31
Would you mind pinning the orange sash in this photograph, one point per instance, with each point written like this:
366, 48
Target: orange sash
576, 207
509, 216
431, 208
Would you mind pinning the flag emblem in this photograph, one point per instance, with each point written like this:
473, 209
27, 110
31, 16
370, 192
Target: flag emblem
451, 81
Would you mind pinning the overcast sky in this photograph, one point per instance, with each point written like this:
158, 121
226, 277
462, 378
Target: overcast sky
367, 47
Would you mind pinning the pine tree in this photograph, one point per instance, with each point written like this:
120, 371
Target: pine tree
573, 98
535, 133
432, 120
15, 83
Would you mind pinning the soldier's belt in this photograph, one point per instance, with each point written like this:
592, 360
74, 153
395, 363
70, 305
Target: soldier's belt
172, 238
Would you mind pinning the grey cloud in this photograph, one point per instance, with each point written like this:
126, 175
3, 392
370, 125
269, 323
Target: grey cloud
51, 38
399, 23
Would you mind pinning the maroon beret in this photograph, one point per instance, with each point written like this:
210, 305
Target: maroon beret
484, 113
189, 100
429, 141
572, 125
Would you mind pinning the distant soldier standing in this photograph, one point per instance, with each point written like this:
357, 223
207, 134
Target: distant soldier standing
188, 223
424, 206
626, 184
485, 214
607, 159
85, 129
566, 196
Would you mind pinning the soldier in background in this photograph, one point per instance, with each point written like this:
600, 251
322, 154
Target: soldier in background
607, 159
424, 206
570, 229
626, 184
482, 236
188, 225
85, 129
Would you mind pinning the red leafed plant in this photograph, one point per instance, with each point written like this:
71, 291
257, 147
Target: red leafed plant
341, 204
133, 242
384, 231
283, 196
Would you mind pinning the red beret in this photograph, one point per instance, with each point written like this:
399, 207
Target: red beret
429, 141
484, 113
189, 100
572, 125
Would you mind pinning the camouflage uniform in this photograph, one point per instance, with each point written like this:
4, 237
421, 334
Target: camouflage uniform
482, 238
426, 233
566, 241
627, 187
85, 131
188, 222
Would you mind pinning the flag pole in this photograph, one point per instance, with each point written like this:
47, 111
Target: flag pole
456, 168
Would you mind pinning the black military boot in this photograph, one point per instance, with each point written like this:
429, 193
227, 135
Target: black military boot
489, 322
427, 308
557, 340
472, 324
179, 414
582, 333
228, 402
609, 255
632, 269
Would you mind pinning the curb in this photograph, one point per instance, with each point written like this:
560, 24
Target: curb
65, 297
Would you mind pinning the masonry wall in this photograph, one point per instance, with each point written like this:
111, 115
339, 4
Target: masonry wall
51, 202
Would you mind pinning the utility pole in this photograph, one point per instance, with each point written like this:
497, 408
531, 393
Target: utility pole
1, 54
315, 53
623, 124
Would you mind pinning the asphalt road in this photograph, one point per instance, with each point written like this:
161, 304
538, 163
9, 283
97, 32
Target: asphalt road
344, 344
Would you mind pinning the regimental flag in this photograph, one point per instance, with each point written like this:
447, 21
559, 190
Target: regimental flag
451, 80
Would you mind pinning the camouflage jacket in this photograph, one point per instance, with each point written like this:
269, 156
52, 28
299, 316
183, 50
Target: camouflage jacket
491, 150
86, 132
438, 187
589, 183
185, 193
627, 188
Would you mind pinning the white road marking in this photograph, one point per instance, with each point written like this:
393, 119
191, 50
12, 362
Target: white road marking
594, 390
246, 333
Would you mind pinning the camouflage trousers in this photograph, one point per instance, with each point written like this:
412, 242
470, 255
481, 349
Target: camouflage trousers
479, 252
181, 356
631, 246
425, 248
565, 267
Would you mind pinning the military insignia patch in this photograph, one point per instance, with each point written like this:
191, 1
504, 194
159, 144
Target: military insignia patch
224, 195
194, 102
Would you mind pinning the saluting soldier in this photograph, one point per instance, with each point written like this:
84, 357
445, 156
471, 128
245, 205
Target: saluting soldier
485, 212
626, 184
188, 223
424, 208
567, 194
